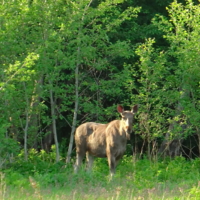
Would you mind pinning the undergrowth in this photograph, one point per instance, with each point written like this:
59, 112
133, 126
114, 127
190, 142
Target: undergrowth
42, 178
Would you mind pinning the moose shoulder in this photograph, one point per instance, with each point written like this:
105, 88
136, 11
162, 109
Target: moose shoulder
104, 140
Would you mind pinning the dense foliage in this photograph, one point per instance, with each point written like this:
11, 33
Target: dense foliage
67, 62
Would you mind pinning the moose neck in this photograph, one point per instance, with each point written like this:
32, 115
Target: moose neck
124, 129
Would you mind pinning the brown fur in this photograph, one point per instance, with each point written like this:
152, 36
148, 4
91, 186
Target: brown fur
104, 140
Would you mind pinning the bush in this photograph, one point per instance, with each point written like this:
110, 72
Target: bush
9, 148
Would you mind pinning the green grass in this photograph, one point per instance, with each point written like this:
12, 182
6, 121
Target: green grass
176, 179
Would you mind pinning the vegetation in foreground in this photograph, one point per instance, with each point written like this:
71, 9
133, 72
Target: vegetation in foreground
40, 178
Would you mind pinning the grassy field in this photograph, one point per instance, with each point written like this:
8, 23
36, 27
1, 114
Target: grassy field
170, 179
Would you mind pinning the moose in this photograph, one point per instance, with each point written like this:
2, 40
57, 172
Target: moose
104, 140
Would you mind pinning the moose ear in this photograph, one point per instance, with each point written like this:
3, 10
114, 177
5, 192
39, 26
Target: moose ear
134, 109
120, 109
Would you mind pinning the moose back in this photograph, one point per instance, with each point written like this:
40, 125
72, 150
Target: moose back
104, 140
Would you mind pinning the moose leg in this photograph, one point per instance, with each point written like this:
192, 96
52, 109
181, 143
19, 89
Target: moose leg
90, 160
111, 163
117, 160
79, 158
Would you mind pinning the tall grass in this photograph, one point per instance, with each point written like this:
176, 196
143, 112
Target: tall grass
142, 179
2, 186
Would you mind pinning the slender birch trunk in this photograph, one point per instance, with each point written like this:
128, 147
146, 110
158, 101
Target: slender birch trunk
76, 87
75, 110
25, 137
26, 125
54, 123
31, 118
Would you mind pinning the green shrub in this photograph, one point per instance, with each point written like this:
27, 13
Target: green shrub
9, 148
16, 179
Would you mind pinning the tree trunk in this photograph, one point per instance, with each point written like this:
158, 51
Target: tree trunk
26, 125
48, 139
33, 121
75, 111
172, 147
54, 123
76, 86
25, 137
198, 135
